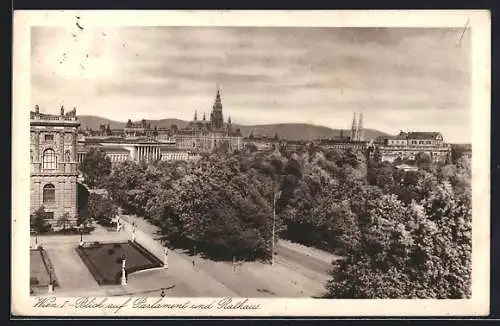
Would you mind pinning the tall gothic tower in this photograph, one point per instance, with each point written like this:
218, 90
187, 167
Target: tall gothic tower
361, 130
357, 130
216, 117
354, 128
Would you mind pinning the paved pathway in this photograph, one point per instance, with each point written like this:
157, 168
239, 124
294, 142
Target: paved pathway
71, 272
298, 272
251, 279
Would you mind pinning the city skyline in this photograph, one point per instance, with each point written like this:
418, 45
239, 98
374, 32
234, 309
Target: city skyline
410, 79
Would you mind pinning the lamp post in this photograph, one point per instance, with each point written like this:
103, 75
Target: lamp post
275, 198
51, 281
165, 258
36, 239
81, 234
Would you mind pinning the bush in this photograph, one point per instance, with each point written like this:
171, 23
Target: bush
111, 251
117, 245
119, 260
34, 281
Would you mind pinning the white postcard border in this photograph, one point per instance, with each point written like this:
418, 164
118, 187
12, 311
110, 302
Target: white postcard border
477, 20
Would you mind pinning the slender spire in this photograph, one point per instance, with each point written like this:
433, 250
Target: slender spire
195, 115
229, 119
354, 135
360, 130
204, 116
216, 117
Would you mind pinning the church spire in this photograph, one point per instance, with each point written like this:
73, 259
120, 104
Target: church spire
195, 115
354, 128
216, 116
360, 130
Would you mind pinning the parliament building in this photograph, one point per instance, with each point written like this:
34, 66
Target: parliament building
142, 142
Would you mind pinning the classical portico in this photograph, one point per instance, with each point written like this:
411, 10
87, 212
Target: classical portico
147, 152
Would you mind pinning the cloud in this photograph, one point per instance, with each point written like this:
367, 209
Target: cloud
266, 74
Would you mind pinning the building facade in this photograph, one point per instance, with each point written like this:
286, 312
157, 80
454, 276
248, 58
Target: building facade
409, 145
207, 135
142, 142
53, 157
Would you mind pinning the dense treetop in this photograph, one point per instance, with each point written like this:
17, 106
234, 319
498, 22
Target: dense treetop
401, 234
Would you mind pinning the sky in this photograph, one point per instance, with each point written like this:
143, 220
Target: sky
401, 79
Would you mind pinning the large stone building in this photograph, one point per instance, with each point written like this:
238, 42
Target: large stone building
142, 142
406, 146
409, 145
207, 135
53, 159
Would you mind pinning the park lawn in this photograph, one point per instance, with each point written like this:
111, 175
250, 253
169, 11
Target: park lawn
104, 261
38, 270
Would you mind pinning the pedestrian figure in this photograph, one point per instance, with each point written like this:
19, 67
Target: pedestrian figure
193, 262
162, 294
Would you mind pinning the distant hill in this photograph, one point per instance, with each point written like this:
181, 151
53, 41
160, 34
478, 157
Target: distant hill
290, 131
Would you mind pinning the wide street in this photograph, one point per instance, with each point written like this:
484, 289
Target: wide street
298, 271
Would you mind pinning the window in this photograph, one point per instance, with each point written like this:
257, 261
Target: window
49, 137
49, 159
67, 156
49, 193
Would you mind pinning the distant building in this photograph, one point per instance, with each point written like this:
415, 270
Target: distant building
53, 157
261, 143
207, 135
141, 142
142, 129
406, 167
461, 151
356, 141
408, 145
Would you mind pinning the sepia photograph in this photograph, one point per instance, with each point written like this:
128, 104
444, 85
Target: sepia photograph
229, 163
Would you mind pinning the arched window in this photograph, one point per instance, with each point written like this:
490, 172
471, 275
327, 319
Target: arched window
67, 156
49, 159
49, 193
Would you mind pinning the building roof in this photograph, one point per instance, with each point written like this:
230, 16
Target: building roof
411, 135
423, 135
115, 149
172, 149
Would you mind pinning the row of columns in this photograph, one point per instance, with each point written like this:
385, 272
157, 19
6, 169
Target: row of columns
148, 153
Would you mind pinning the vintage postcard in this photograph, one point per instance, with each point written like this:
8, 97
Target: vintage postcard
251, 163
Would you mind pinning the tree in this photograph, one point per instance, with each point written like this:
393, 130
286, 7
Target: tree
410, 251
423, 159
95, 167
101, 209
63, 221
38, 221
